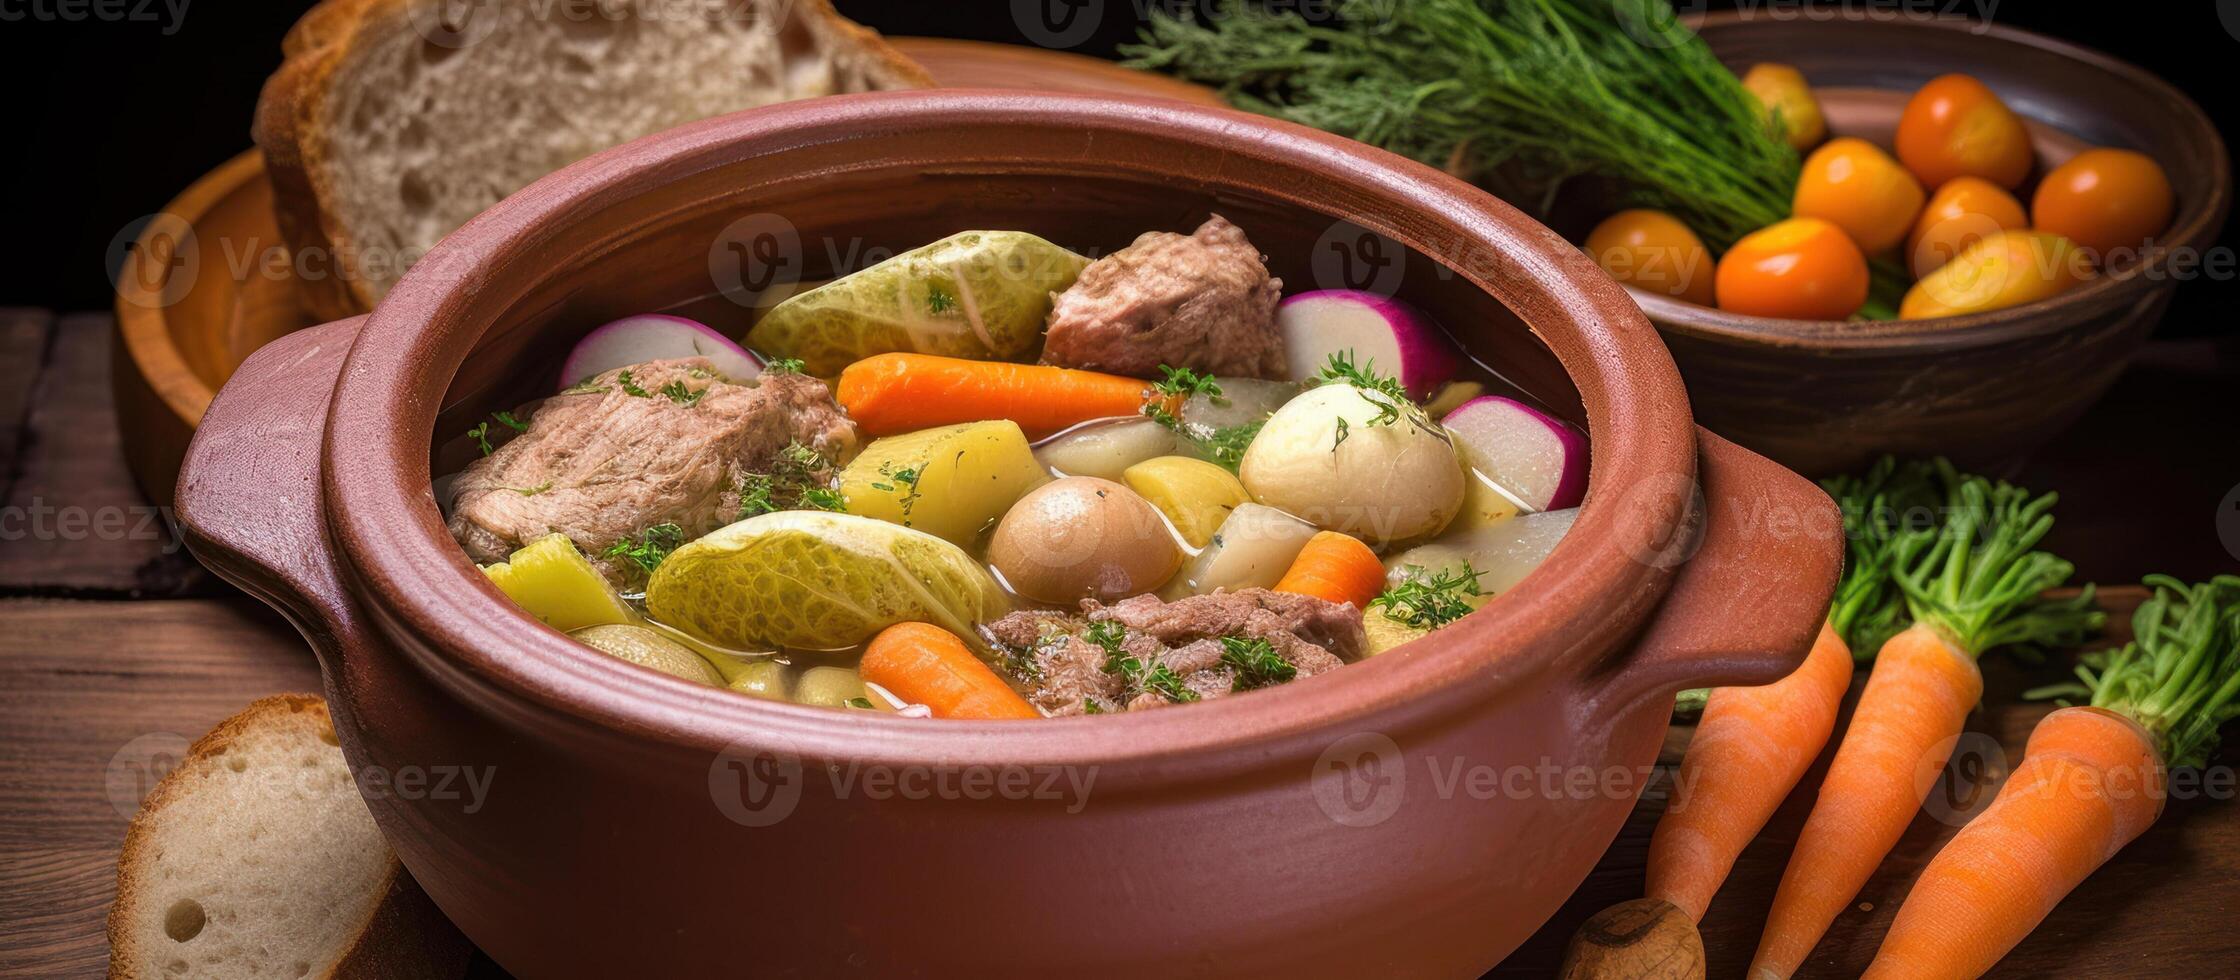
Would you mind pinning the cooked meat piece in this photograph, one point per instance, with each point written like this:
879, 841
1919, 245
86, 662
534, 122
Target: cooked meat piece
1202, 301
601, 464
1168, 651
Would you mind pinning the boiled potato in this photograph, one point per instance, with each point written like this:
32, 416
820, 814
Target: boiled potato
952, 482
1195, 495
1252, 550
762, 679
1106, 449
1385, 632
1082, 537
647, 648
1380, 483
1502, 554
830, 687
550, 579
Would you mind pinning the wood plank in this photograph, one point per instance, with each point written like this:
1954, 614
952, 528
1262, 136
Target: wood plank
95, 699
75, 524
23, 351
2144, 911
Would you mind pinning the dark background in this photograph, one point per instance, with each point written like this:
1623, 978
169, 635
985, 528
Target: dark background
105, 121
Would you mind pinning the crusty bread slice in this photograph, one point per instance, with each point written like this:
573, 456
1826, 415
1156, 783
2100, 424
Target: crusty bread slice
387, 126
257, 858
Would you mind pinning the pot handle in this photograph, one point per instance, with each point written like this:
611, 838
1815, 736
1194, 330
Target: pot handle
249, 501
1752, 584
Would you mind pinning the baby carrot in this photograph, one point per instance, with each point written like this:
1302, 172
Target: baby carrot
888, 394
2092, 779
1972, 584
1749, 750
1337, 567
928, 665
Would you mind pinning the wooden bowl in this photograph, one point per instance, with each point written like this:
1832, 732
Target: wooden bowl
1986, 389
209, 282
625, 814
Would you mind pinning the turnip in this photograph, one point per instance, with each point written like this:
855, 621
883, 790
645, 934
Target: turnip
1397, 339
1501, 555
656, 337
1533, 456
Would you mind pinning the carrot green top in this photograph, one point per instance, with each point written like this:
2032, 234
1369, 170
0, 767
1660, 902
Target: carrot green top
2179, 677
1877, 504
1975, 577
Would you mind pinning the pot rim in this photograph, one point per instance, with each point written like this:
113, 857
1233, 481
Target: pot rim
445, 616
2194, 226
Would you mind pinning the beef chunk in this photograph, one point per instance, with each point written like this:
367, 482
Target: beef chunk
1143, 652
609, 459
1202, 301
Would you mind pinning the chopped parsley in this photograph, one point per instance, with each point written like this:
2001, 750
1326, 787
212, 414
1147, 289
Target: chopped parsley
1155, 678
938, 301
1383, 393
1430, 601
533, 491
864, 703
1089, 706
823, 498
795, 482
630, 386
1255, 662
506, 419
785, 365
895, 480
481, 436
649, 548
1184, 383
677, 392
584, 387
1224, 445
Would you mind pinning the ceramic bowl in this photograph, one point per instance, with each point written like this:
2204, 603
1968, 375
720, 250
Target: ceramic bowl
1418, 814
1988, 388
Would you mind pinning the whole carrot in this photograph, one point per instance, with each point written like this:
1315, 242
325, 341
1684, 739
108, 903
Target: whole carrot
1337, 567
2091, 780
928, 665
1971, 585
888, 394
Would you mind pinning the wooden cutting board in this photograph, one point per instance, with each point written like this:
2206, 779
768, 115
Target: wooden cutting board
182, 333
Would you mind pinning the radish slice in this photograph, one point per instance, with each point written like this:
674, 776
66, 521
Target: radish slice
656, 337
1536, 457
1378, 330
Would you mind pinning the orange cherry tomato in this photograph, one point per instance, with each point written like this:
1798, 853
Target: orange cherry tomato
1955, 127
2003, 269
1802, 268
1652, 250
1960, 213
1852, 183
2104, 200
1782, 90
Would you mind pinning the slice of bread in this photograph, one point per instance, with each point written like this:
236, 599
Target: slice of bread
392, 122
257, 858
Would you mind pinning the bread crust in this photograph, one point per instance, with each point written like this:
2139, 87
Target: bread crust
290, 128
405, 937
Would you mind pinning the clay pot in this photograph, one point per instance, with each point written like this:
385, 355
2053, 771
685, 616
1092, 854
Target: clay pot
1391, 818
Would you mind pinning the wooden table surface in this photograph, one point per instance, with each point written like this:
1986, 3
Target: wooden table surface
116, 649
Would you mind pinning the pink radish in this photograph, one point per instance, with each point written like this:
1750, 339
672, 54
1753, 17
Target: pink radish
1536, 457
656, 337
1400, 340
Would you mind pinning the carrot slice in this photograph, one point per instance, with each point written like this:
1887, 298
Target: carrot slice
1750, 749
1336, 567
888, 394
928, 665
2090, 782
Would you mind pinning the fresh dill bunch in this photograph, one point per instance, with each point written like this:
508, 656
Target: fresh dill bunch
1517, 95
1427, 600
